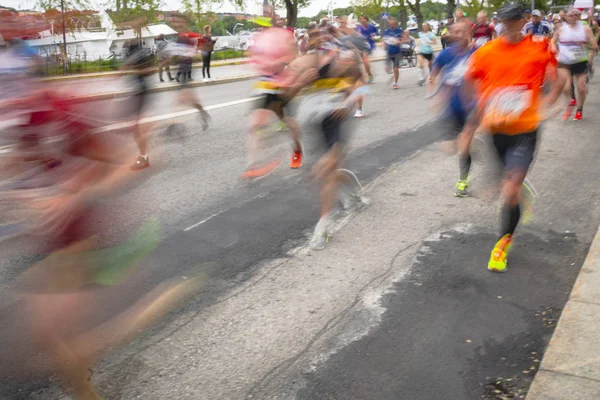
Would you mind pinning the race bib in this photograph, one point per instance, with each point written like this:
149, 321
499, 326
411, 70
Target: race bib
391, 41
577, 53
506, 105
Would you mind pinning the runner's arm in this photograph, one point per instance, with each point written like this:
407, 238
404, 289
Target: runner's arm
592, 44
554, 41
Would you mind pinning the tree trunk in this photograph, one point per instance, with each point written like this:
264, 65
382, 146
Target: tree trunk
403, 17
451, 7
291, 13
416, 9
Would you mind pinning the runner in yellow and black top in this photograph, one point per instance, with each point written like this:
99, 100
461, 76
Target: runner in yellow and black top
506, 75
329, 72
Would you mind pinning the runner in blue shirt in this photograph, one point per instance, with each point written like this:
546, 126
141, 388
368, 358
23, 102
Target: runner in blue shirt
369, 32
537, 27
450, 67
393, 37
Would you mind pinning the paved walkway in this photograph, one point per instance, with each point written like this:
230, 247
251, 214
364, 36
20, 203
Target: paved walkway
571, 366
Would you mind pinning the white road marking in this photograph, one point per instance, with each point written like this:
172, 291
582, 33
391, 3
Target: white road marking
189, 228
163, 117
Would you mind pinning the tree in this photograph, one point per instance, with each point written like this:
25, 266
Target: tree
433, 10
416, 9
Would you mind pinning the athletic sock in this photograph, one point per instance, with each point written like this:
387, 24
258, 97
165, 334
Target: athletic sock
510, 219
464, 162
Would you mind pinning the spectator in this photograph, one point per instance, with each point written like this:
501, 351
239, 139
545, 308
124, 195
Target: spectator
207, 46
446, 31
163, 58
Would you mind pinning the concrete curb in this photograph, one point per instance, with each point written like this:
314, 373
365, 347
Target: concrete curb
571, 365
123, 73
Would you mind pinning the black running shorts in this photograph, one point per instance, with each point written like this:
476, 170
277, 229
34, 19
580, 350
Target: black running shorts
575, 69
516, 152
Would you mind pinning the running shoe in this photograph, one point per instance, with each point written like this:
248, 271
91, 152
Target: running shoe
395, 85
578, 116
261, 170
462, 189
421, 82
499, 254
569, 110
140, 163
370, 79
359, 114
296, 159
319, 240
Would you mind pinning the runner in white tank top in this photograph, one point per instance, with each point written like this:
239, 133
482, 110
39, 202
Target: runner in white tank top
572, 41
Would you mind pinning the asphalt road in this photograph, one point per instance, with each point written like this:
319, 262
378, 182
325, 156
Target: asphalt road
399, 306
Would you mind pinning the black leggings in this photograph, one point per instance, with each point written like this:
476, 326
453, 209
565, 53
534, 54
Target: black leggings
206, 64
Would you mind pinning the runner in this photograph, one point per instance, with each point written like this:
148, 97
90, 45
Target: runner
573, 40
537, 26
483, 31
369, 32
449, 68
329, 74
141, 64
272, 51
393, 37
507, 75
427, 40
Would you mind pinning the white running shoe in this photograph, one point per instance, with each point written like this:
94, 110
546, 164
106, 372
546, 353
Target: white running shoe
395, 85
359, 114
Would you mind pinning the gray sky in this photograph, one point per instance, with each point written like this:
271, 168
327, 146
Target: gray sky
253, 7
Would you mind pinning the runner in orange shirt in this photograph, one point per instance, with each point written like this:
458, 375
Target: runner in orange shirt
507, 75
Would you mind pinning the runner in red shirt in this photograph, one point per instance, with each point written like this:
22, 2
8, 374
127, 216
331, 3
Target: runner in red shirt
483, 31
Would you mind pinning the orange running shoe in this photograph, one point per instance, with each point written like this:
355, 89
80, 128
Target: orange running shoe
296, 159
261, 170
578, 116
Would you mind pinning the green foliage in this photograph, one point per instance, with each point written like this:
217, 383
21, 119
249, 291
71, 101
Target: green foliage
433, 10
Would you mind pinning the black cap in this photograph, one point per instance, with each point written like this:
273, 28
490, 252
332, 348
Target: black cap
511, 12
451, 16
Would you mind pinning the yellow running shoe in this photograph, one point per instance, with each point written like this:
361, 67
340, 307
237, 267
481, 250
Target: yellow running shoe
498, 258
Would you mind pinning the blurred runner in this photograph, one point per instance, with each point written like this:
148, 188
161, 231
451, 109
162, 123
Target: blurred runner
140, 61
369, 31
507, 76
449, 70
393, 37
537, 26
483, 30
272, 51
330, 74
59, 305
427, 40
572, 41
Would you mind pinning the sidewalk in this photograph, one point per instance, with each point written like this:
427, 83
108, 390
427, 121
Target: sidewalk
571, 366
